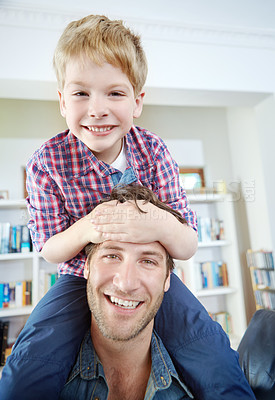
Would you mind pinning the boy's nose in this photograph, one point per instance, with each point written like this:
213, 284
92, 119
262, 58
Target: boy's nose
126, 278
97, 108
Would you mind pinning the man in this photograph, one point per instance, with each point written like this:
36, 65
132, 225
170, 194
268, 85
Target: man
121, 357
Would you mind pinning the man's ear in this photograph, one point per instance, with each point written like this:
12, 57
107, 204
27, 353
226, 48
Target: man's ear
86, 270
62, 106
138, 105
167, 283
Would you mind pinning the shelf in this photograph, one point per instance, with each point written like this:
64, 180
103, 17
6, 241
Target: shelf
16, 256
15, 312
206, 197
21, 203
219, 291
214, 243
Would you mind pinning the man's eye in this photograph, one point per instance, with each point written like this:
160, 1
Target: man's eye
149, 262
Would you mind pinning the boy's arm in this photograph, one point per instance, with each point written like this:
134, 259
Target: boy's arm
123, 222
65, 245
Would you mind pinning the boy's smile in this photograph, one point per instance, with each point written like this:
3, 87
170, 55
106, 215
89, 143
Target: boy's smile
99, 105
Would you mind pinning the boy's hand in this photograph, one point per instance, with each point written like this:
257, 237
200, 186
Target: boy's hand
125, 223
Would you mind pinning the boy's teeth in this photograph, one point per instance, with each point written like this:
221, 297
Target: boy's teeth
124, 303
95, 129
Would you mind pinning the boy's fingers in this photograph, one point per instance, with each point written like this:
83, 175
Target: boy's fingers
109, 228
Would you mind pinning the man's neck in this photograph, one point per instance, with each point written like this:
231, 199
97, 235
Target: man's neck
127, 364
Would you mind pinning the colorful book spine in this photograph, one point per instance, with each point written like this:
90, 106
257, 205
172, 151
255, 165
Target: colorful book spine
213, 274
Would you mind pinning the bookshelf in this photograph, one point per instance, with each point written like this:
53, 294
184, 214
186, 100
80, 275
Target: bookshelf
20, 267
222, 301
261, 265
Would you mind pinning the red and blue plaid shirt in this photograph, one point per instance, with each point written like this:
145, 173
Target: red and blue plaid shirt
65, 181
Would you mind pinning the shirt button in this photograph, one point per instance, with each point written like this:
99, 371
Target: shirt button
163, 380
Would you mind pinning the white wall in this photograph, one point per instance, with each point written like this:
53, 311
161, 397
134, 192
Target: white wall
191, 45
247, 162
207, 124
14, 154
265, 118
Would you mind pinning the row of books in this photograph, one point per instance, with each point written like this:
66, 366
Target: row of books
213, 274
265, 299
15, 294
260, 259
46, 281
224, 319
4, 328
14, 238
263, 278
210, 229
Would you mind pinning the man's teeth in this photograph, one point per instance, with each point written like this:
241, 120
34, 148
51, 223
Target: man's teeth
124, 303
96, 129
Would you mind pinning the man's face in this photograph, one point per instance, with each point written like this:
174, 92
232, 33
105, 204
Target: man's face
126, 284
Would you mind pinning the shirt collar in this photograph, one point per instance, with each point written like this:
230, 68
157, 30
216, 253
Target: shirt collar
163, 369
88, 366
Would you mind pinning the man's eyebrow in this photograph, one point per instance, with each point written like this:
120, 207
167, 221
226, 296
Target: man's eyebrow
145, 253
111, 247
153, 253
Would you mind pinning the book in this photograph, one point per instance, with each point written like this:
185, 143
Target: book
12, 294
25, 242
5, 237
18, 294
4, 326
6, 295
1, 294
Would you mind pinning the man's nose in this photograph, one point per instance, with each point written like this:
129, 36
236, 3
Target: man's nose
97, 107
127, 278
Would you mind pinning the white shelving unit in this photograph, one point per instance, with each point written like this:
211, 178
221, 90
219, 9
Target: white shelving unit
231, 298
19, 267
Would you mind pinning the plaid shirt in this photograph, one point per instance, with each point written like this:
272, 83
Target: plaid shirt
65, 181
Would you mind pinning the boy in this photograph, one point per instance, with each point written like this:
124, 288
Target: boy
101, 70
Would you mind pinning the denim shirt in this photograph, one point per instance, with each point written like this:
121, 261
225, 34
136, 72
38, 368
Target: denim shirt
87, 380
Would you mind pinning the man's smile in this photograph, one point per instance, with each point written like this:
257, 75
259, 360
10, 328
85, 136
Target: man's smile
129, 304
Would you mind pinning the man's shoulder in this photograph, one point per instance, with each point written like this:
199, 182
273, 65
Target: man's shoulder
163, 373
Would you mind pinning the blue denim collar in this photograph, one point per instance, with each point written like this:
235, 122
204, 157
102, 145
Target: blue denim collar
89, 367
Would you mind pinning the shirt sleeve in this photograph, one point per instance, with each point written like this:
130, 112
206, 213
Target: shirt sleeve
167, 185
45, 203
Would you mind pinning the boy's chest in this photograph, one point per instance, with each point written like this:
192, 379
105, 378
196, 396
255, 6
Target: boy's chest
81, 194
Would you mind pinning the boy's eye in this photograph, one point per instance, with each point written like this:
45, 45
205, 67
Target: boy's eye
80, 94
116, 94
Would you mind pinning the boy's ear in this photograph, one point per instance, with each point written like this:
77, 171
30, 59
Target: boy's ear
62, 104
139, 105
86, 270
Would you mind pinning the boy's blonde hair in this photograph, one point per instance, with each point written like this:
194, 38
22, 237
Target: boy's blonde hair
101, 40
